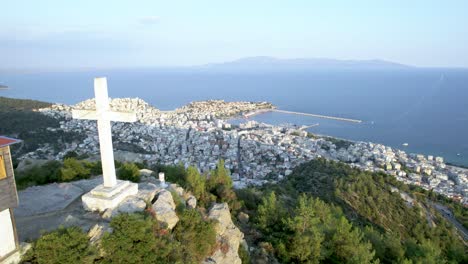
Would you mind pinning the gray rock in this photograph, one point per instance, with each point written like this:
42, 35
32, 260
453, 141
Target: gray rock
165, 197
164, 208
146, 172
176, 188
88, 185
132, 204
147, 191
45, 199
191, 202
96, 233
227, 234
243, 217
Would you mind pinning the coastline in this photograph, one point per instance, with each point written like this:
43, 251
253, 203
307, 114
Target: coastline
201, 133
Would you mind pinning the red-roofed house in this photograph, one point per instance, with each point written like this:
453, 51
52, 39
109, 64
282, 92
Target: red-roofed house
8, 200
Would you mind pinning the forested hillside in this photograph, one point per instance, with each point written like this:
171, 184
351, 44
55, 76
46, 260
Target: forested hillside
329, 212
18, 120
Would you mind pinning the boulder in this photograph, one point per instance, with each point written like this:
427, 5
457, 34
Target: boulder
147, 191
176, 188
164, 208
228, 236
191, 202
96, 233
132, 204
165, 197
243, 217
146, 172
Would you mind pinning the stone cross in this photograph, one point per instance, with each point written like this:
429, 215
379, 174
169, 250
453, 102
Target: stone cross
104, 115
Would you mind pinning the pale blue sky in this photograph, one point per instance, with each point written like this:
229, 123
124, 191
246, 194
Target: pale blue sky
98, 33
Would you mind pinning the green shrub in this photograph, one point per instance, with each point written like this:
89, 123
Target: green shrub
73, 170
65, 245
130, 172
244, 255
179, 202
175, 174
197, 235
38, 175
94, 167
136, 238
250, 197
220, 184
195, 182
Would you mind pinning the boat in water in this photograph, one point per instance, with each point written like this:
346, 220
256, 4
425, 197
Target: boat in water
405, 144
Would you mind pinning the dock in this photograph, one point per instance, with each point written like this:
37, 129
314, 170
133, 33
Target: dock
309, 126
318, 116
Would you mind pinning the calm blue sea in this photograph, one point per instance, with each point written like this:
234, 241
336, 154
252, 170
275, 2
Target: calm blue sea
426, 108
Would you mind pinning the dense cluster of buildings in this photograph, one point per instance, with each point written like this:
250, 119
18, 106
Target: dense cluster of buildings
200, 134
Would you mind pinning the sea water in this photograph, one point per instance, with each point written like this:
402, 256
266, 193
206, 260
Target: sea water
426, 108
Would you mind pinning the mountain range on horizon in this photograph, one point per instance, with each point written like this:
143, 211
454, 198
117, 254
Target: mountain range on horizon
266, 62
254, 63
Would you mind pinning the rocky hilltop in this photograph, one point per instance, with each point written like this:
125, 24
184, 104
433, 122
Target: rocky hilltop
47, 212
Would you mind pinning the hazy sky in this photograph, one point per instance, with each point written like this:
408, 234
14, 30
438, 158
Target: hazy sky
98, 33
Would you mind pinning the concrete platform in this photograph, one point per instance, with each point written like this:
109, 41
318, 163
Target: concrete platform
45, 199
102, 198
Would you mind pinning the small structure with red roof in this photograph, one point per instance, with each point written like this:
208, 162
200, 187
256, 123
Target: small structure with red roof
8, 200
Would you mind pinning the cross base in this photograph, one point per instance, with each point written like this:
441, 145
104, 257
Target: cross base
102, 198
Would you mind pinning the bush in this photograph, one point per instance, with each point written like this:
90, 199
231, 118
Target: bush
65, 245
175, 174
195, 182
179, 202
38, 175
73, 170
250, 197
137, 239
197, 235
130, 172
94, 167
244, 255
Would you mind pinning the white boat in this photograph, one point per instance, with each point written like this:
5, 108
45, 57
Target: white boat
405, 144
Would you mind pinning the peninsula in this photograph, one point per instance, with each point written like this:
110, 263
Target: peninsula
200, 134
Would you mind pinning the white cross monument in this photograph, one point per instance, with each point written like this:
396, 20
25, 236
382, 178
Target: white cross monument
113, 191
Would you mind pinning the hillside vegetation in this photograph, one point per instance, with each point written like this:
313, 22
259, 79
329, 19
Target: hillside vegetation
329, 212
19, 120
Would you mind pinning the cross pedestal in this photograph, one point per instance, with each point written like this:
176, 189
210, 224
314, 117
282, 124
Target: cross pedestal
112, 191
102, 198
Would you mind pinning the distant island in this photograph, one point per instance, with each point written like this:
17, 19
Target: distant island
3, 87
271, 63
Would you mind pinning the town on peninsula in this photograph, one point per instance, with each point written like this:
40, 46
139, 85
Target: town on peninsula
201, 133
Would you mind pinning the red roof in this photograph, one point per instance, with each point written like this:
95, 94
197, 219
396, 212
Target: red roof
6, 141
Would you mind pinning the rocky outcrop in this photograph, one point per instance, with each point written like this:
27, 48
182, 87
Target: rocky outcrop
134, 203
96, 233
228, 236
164, 208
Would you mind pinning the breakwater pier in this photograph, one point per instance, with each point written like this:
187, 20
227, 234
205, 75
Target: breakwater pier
319, 116
303, 114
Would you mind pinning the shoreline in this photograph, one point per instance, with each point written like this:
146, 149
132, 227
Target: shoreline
200, 133
399, 147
